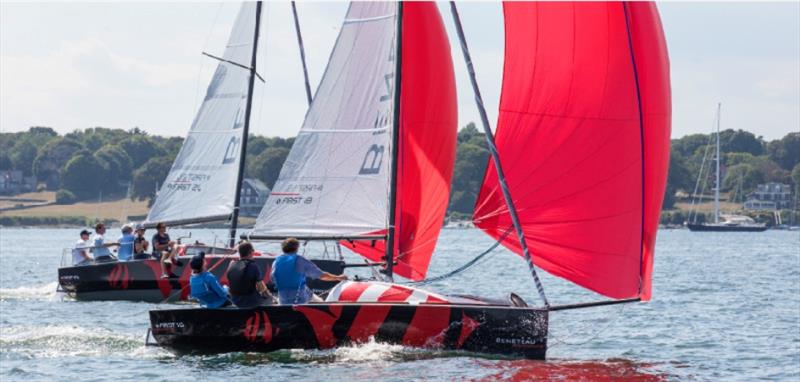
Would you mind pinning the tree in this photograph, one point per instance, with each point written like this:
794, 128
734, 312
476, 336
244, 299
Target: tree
150, 176
796, 176
731, 141
468, 172
267, 165
52, 158
22, 156
117, 165
65, 197
141, 149
5, 162
679, 176
742, 178
785, 151
82, 176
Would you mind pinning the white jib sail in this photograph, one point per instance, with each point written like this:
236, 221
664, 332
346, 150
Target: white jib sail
335, 181
202, 181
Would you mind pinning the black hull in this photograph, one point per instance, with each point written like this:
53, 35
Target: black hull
140, 280
502, 330
725, 228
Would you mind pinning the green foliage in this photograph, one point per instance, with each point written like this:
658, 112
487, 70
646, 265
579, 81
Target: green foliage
5, 162
267, 165
796, 176
52, 158
149, 176
65, 197
141, 149
472, 156
22, 156
117, 166
785, 151
743, 176
740, 141
82, 176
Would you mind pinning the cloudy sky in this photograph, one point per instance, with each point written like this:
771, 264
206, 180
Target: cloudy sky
76, 65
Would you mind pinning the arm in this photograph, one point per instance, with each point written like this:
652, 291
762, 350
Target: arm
331, 277
216, 287
311, 270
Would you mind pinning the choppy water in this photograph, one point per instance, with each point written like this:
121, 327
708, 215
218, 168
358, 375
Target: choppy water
726, 307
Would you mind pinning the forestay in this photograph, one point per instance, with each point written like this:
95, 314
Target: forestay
201, 184
335, 181
583, 137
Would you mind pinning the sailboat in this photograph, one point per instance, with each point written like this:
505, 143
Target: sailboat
724, 222
578, 173
203, 185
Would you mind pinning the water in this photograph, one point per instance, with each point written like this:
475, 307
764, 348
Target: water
726, 307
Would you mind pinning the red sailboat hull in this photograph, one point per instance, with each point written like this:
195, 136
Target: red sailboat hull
502, 330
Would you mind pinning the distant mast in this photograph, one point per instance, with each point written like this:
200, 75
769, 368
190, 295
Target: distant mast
716, 187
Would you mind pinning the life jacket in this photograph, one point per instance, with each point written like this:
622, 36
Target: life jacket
284, 274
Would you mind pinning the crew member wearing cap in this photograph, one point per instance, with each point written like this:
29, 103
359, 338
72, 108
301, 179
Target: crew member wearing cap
205, 287
140, 244
80, 253
125, 250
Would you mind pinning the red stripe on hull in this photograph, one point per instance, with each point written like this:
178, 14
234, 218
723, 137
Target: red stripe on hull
428, 327
367, 322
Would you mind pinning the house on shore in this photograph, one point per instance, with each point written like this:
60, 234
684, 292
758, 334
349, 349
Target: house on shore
770, 196
254, 195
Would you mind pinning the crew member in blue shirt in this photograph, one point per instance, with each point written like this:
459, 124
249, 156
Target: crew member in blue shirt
125, 251
205, 287
289, 273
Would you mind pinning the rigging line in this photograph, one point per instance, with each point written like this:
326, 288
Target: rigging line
692, 210
464, 267
495, 155
205, 44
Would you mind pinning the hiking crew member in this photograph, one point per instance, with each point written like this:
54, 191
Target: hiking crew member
80, 253
166, 250
289, 273
101, 252
205, 287
246, 280
125, 250
140, 244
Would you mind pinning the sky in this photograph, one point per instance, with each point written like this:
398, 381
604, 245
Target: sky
122, 65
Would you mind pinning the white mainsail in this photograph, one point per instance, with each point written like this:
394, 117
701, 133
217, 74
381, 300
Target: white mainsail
336, 179
201, 184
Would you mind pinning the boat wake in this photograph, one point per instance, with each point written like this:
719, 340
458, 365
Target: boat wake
37, 292
56, 341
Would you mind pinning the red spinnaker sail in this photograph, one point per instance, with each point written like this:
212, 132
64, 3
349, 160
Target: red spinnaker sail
583, 136
428, 120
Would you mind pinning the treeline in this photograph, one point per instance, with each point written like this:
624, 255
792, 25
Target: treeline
747, 161
101, 162
85, 163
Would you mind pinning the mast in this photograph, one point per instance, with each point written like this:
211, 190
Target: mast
391, 236
302, 51
245, 133
495, 156
716, 188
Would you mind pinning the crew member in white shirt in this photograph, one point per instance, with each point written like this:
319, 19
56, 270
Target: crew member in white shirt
80, 253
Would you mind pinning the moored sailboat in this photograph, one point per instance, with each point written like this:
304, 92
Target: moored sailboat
722, 222
585, 152
203, 184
